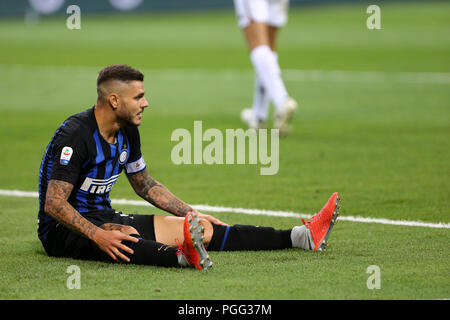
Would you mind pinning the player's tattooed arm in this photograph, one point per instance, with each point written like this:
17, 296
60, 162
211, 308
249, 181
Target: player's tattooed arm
157, 194
110, 241
57, 206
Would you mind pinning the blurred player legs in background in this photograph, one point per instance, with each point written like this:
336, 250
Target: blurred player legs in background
260, 20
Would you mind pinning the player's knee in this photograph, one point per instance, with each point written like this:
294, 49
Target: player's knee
131, 244
129, 230
208, 230
207, 224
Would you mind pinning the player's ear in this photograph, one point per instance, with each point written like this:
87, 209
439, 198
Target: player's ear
113, 100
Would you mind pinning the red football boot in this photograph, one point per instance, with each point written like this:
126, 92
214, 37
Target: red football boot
322, 222
193, 249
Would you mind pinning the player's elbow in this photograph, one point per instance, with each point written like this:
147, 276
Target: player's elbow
51, 203
48, 205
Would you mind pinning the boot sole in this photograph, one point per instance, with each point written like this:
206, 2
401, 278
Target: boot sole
196, 231
333, 221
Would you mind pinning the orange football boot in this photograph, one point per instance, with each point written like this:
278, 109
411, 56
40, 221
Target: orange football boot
192, 248
322, 222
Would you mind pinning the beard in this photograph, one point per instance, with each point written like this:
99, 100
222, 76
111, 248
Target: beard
127, 117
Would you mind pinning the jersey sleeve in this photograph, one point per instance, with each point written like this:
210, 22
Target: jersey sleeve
69, 154
135, 162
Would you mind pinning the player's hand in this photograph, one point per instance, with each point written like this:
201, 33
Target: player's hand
211, 219
111, 243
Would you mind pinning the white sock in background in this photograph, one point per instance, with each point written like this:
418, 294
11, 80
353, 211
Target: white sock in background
276, 60
266, 66
260, 101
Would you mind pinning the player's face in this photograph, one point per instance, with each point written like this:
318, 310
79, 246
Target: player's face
133, 103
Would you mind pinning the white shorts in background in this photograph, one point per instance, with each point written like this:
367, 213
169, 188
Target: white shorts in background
271, 12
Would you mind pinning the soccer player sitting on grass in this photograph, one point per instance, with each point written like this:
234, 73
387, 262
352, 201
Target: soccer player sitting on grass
86, 156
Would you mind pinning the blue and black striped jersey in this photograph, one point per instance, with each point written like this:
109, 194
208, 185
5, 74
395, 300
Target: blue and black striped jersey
78, 154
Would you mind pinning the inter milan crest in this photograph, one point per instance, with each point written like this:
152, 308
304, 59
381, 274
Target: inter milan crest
123, 156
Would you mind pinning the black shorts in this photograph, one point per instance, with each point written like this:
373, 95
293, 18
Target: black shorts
63, 242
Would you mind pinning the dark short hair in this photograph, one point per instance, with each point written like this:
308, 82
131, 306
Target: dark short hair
120, 72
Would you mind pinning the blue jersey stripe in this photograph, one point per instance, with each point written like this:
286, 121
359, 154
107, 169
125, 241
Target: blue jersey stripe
100, 156
82, 204
120, 144
98, 159
109, 164
120, 139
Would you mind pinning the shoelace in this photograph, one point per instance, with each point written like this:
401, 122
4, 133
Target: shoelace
313, 218
180, 246
314, 227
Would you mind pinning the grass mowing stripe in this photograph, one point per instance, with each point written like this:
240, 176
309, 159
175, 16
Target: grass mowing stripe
205, 207
288, 74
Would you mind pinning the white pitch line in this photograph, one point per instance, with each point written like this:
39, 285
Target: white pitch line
288, 214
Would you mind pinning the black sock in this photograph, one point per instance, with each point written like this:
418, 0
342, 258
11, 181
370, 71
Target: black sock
149, 252
246, 237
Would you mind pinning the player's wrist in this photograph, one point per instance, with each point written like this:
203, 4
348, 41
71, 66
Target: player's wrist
96, 234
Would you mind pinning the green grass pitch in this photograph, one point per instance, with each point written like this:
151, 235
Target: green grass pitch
378, 133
